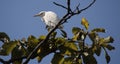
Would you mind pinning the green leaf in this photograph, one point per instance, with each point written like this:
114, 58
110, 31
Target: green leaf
76, 37
107, 57
42, 53
18, 52
60, 41
109, 47
79, 36
32, 41
72, 60
42, 37
85, 23
4, 37
8, 47
68, 60
39, 58
101, 42
57, 59
75, 30
31, 37
92, 36
98, 50
105, 41
81, 44
17, 62
44, 50
68, 48
95, 49
99, 30
31, 44
71, 45
79, 61
53, 35
90, 59
108, 40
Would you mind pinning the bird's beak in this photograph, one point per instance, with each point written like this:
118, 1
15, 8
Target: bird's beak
36, 15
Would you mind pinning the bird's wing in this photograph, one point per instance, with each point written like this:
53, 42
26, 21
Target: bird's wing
51, 16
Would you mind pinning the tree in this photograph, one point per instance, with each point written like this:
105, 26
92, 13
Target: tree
67, 50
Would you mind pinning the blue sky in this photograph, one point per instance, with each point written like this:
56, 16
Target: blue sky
16, 19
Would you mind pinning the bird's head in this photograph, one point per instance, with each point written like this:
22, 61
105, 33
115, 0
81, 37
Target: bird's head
41, 14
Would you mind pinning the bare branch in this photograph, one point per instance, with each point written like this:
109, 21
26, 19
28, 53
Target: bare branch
60, 5
78, 11
68, 4
88, 6
77, 8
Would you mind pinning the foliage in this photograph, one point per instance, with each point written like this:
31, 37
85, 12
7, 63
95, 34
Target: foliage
67, 50
74, 50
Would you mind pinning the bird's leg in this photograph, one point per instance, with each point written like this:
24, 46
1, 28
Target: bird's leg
52, 25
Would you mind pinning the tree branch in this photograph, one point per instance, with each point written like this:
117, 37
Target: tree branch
60, 5
67, 16
68, 5
79, 11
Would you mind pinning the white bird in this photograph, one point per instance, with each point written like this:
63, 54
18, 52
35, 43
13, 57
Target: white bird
49, 18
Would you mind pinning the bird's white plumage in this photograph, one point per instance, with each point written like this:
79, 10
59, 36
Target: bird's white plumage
50, 18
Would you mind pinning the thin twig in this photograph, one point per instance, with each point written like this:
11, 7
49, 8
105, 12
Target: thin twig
60, 5
77, 8
88, 6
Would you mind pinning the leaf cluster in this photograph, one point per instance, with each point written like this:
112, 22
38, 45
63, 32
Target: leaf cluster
67, 50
